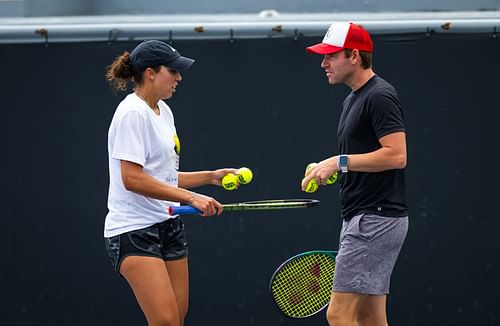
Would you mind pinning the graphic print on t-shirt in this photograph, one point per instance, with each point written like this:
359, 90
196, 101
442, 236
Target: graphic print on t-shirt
177, 149
177, 144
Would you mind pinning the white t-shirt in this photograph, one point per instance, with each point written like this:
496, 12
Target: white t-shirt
138, 135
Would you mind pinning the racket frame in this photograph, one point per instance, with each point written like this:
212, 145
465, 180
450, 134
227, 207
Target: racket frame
273, 204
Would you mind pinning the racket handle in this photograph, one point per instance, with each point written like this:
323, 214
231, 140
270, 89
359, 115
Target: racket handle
182, 210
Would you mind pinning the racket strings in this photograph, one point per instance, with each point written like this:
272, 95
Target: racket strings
303, 286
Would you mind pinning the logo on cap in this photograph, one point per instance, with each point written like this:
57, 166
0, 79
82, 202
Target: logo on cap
328, 33
171, 48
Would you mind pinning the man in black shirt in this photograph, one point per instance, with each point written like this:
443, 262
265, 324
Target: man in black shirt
372, 157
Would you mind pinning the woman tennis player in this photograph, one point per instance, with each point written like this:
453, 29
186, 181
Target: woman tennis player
145, 244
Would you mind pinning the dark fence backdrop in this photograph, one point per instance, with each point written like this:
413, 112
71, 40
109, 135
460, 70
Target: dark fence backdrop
264, 104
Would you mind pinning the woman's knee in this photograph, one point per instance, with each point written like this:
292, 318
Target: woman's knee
164, 320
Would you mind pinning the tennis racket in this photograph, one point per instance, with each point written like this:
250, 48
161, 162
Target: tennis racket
251, 206
302, 285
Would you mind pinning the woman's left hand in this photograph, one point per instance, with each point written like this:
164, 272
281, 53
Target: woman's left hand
217, 175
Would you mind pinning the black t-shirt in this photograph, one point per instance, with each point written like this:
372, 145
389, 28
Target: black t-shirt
369, 113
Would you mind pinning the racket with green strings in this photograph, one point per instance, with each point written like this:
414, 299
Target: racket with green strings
302, 285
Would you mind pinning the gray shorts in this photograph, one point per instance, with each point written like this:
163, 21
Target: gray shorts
368, 250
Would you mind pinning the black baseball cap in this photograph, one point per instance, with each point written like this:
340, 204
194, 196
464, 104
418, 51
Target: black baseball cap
153, 53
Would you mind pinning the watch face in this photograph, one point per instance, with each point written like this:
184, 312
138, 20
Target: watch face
343, 160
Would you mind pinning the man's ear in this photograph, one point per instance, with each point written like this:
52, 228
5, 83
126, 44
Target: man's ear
355, 56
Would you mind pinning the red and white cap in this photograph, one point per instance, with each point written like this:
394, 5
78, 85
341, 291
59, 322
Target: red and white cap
343, 36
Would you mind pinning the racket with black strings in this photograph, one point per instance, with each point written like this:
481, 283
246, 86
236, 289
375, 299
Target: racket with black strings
302, 285
251, 206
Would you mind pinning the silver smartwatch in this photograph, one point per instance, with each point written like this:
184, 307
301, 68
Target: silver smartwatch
343, 162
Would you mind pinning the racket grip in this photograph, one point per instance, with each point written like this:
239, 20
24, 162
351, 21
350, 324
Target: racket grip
182, 210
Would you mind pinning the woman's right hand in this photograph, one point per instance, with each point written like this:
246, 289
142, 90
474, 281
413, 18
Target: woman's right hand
207, 205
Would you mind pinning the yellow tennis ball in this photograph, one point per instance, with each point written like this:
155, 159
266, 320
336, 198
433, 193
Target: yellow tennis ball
230, 181
309, 167
331, 179
312, 186
245, 175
